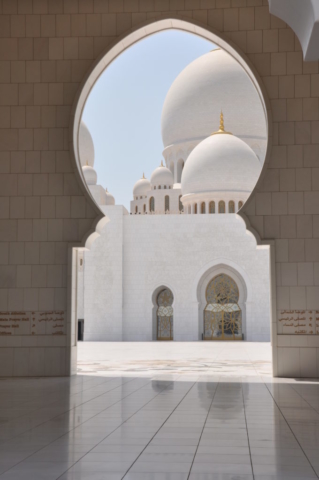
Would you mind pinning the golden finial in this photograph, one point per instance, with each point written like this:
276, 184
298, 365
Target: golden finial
106, 190
221, 125
143, 178
162, 163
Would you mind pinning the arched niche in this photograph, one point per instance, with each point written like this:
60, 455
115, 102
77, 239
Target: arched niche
155, 293
149, 27
223, 266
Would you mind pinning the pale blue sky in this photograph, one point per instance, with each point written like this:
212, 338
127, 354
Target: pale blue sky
123, 111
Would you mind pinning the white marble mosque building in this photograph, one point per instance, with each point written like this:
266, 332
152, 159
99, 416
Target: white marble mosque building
181, 265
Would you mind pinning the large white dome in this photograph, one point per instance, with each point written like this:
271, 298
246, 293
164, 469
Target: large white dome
141, 187
86, 146
162, 176
213, 82
220, 163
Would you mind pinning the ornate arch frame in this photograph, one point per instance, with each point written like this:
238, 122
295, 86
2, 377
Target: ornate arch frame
121, 43
155, 292
222, 265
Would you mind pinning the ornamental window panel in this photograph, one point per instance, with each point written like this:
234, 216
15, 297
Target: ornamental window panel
136, 209
203, 207
152, 204
240, 204
144, 208
159, 187
195, 208
165, 315
164, 187
222, 314
231, 207
211, 207
180, 205
166, 203
221, 207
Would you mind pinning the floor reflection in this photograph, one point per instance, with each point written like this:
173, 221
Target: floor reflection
160, 426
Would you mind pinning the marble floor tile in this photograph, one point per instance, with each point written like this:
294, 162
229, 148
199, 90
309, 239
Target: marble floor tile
132, 421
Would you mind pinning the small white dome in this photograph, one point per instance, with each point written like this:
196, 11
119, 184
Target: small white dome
141, 187
220, 163
90, 175
86, 146
110, 200
162, 176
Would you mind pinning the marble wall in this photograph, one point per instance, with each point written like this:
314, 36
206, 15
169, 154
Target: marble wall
46, 49
136, 255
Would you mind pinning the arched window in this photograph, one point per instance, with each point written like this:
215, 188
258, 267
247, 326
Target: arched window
195, 208
180, 203
152, 204
165, 187
166, 203
240, 204
136, 209
165, 315
144, 208
222, 314
203, 208
212, 207
159, 187
221, 207
154, 188
231, 207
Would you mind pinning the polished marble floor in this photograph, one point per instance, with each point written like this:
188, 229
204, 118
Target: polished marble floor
161, 415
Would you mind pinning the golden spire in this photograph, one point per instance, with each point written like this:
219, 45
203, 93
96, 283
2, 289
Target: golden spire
106, 190
161, 165
221, 125
143, 178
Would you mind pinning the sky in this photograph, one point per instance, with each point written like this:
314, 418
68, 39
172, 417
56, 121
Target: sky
123, 111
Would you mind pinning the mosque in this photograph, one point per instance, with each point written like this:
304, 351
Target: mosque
181, 265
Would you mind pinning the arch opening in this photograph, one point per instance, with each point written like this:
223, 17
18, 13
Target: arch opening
109, 57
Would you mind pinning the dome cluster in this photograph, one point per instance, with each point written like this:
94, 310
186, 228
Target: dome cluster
205, 172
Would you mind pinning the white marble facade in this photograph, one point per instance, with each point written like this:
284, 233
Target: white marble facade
182, 229
135, 256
